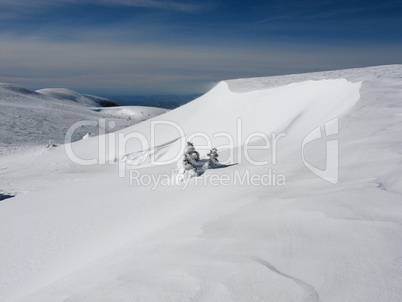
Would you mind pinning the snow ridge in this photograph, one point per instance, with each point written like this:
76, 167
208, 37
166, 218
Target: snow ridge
82, 233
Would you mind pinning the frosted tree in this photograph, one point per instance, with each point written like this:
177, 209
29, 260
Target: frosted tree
191, 157
213, 159
187, 166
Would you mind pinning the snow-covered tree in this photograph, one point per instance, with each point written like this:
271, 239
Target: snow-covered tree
213, 159
191, 156
187, 166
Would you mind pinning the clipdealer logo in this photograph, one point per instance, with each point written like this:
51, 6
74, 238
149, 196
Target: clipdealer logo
331, 171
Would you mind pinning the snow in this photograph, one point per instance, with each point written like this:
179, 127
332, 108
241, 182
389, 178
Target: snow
138, 113
68, 95
31, 118
81, 233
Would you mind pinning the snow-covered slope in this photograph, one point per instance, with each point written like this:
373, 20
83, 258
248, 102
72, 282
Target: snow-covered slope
31, 118
73, 96
81, 233
68, 95
137, 113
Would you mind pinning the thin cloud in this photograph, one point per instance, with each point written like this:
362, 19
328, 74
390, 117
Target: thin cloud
339, 11
183, 6
312, 10
157, 68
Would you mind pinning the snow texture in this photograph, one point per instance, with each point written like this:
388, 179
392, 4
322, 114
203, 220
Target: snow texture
80, 233
31, 118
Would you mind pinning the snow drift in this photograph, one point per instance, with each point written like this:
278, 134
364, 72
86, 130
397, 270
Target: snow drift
294, 109
81, 233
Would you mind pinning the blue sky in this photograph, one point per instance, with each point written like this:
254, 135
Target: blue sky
149, 47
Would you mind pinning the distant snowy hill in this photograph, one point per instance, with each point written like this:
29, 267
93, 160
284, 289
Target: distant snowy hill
31, 118
117, 226
70, 95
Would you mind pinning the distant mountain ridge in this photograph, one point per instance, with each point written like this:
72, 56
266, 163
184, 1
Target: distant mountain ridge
60, 94
70, 95
162, 101
30, 118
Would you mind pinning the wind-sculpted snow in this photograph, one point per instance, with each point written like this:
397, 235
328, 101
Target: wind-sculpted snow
353, 75
81, 233
294, 108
